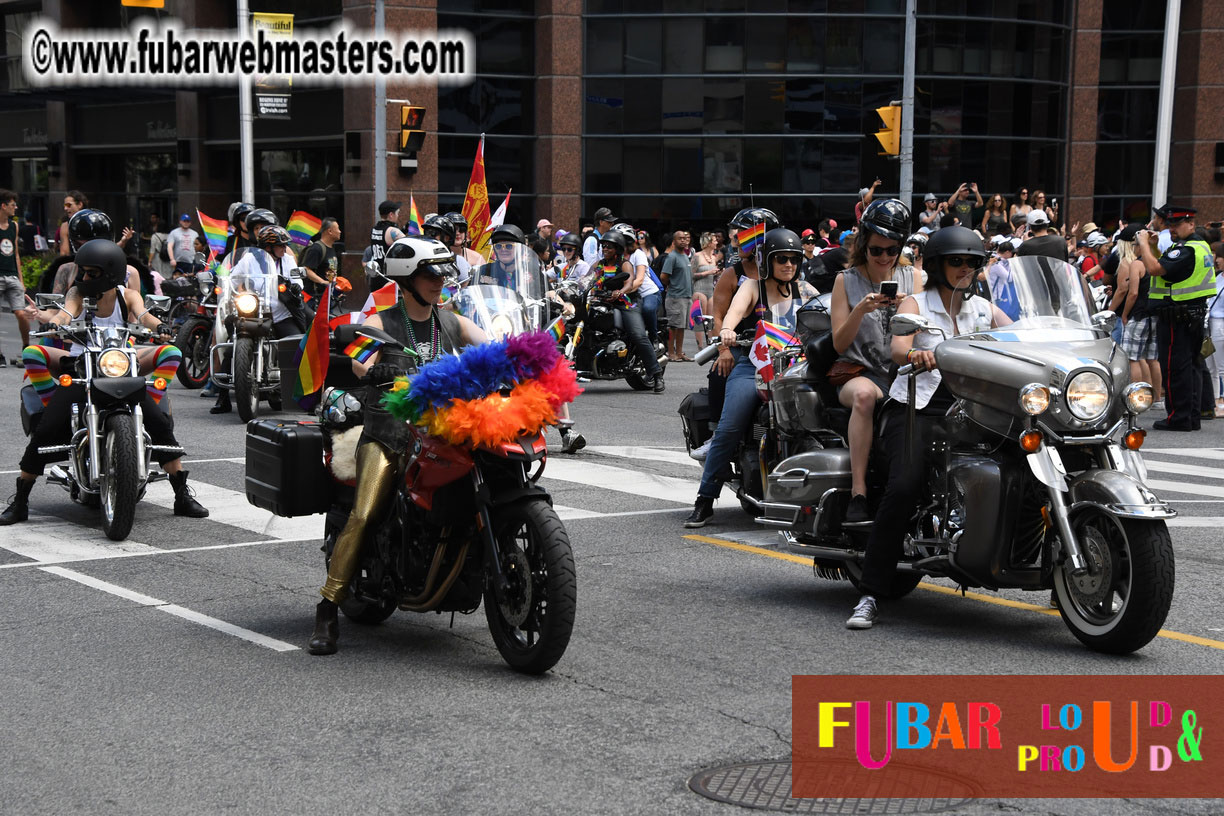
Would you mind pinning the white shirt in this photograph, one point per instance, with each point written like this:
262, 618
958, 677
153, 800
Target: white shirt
252, 274
975, 315
182, 243
640, 258
590, 248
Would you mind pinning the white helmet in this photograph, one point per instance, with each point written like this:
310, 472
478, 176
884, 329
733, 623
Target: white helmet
627, 231
410, 255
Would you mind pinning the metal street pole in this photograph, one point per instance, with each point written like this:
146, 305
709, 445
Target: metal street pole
246, 119
907, 105
380, 116
1164, 114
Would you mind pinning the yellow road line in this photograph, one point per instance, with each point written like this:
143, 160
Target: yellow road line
806, 560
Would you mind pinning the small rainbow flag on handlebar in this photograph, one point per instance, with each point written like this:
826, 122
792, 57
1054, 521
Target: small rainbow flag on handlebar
363, 348
557, 329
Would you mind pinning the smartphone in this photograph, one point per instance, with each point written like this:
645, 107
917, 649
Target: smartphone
889, 289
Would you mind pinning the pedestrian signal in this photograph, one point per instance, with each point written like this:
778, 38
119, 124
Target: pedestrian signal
412, 135
890, 136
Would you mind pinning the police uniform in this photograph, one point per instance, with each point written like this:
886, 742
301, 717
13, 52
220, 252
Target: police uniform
1180, 296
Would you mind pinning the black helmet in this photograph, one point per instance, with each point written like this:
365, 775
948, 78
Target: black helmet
105, 255
442, 225
949, 241
887, 217
571, 239
751, 216
507, 232
616, 239
458, 220
779, 240
238, 211
272, 235
86, 225
259, 217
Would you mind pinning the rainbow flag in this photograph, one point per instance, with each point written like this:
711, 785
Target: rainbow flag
312, 358
749, 238
557, 329
695, 315
777, 337
302, 227
413, 227
363, 348
216, 231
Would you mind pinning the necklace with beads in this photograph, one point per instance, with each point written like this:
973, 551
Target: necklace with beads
435, 343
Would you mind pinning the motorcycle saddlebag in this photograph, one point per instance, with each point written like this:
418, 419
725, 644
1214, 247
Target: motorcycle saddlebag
285, 470
695, 413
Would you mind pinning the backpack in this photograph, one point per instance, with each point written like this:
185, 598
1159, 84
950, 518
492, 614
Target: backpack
164, 252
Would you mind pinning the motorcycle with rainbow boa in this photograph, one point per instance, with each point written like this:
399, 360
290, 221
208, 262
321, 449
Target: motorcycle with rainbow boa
468, 521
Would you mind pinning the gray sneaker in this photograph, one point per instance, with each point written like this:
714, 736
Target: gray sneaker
864, 614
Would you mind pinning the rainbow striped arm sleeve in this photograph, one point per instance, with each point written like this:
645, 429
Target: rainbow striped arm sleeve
168, 359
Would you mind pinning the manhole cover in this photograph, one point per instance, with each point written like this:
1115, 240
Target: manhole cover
767, 786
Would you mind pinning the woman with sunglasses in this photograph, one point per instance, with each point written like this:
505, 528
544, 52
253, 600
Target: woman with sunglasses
1021, 207
784, 293
860, 311
569, 260
951, 258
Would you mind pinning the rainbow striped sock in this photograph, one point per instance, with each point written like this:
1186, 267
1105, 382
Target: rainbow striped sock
168, 359
35, 359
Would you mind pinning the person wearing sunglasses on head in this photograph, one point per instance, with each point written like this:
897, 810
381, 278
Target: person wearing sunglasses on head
864, 297
952, 258
783, 292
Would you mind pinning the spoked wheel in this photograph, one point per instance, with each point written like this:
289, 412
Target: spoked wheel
246, 388
1121, 602
532, 621
192, 341
119, 483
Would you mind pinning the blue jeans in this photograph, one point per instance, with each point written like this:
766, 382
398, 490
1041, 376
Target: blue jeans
739, 406
631, 321
650, 314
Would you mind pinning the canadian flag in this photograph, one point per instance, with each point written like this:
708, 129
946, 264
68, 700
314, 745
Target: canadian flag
758, 352
378, 300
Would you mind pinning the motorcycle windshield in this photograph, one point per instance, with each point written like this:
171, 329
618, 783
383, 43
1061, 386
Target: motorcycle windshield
506, 296
1043, 294
252, 277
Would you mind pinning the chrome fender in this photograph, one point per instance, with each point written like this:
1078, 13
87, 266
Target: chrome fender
1119, 493
1047, 466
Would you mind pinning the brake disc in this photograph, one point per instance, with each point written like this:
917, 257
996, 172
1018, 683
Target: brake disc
515, 604
1093, 586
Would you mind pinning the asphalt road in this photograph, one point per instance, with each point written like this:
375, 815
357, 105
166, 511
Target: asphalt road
168, 675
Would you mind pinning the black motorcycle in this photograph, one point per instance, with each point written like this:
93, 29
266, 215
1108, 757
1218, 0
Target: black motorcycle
599, 346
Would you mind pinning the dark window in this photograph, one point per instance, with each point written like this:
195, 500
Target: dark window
844, 45
724, 105
1127, 114
605, 43
805, 44
644, 46
805, 106
605, 105
1131, 59
488, 105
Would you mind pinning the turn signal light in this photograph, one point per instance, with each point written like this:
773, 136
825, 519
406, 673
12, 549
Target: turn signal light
1134, 439
282, 288
1030, 441
65, 380
160, 383
216, 290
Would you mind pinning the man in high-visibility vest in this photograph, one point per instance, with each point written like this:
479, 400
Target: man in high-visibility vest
1183, 283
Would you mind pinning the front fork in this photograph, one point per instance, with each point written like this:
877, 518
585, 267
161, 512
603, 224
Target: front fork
484, 522
1047, 466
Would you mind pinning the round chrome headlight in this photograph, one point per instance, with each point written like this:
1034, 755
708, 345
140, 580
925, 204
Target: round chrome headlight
114, 363
1138, 397
1087, 395
501, 327
1034, 399
246, 303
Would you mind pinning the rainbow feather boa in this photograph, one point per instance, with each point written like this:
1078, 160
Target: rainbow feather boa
489, 394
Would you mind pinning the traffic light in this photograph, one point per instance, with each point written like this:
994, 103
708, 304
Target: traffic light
890, 136
412, 136
144, 3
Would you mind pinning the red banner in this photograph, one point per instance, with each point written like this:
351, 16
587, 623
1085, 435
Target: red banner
476, 204
1008, 737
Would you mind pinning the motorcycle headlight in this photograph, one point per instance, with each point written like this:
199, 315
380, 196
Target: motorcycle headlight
114, 363
1034, 399
246, 303
1087, 395
501, 326
1138, 397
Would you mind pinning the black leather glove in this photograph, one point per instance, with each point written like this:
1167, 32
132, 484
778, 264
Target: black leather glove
383, 373
164, 330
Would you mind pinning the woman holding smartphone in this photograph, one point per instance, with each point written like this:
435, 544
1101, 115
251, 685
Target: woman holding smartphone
861, 307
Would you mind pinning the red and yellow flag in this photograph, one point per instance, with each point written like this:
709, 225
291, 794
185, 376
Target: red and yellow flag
312, 358
476, 204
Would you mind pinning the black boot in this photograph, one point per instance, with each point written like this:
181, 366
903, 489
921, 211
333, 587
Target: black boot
572, 442
184, 500
223, 405
19, 510
703, 508
326, 631
658, 384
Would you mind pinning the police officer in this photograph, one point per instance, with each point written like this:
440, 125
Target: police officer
1183, 283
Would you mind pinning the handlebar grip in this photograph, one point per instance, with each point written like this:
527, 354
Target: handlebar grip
905, 370
707, 354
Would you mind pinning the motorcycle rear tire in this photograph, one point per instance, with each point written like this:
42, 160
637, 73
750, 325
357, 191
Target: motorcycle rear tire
193, 341
120, 482
246, 389
552, 593
360, 612
1142, 572
903, 583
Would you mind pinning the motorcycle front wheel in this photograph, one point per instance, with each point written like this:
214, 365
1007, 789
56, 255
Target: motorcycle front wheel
532, 621
246, 387
1119, 605
119, 483
192, 341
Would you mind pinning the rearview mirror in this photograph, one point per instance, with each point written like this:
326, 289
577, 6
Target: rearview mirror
1104, 320
157, 302
45, 300
903, 325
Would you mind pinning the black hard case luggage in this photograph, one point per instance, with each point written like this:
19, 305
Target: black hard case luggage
285, 471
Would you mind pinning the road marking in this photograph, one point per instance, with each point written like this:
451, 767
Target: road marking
1196, 521
231, 507
50, 540
671, 457
944, 590
622, 480
1196, 453
578, 514
1162, 486
1164, 466
173, 609
154, 551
